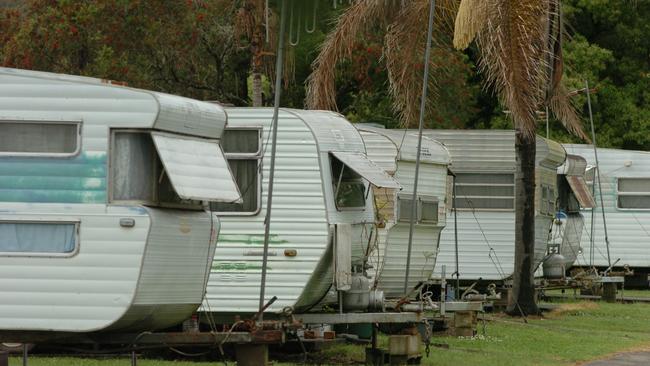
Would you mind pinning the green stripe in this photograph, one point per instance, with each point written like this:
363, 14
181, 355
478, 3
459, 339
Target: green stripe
81, 179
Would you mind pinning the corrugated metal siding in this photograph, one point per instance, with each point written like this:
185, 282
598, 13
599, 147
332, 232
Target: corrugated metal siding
332, 131
628, 230
176, 258
86, 292
299, 222
478, 150
174, 271
31, 93
381, 150
476, 235
189, 116
392, 252
489, 151
549, 153
423, 257
406, 142
81, 179
94, 288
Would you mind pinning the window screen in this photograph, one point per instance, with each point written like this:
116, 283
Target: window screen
39, 138
634, 193
242, 148
33, 237
485, 191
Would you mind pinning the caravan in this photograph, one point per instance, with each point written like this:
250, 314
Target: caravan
395, 151
322, 222
483, 162
102, 226
625, 180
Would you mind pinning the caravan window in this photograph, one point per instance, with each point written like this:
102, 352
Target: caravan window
547, 204
34, 238
485, 191
426, 210
39, 138
405, 207
137, 175
349, 188
243, 149
634, 193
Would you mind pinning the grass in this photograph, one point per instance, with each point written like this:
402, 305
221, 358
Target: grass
573, 333
625, 292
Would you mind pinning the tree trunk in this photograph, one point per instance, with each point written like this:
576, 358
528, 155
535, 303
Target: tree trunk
522, 301
257, 89
257, 52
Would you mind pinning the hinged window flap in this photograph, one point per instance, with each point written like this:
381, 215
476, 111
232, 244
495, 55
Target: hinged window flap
581, 191
196, 168
370, 171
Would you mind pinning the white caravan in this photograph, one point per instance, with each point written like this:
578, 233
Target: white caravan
101, 222
395, 151
322, 218
484, 164
625, 179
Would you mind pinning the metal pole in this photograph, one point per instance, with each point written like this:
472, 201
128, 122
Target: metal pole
453, 202
25, 355
423, 100
597, 172
274, 137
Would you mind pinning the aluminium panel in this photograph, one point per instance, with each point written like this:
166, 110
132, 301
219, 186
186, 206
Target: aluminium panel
197, 168
381, 150
628, 229
581, 191
299, 222
359, 163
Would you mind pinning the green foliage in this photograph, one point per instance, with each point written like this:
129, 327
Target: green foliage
192, 48
610, 49
181, 47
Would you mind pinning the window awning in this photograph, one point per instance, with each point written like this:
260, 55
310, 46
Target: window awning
196, 168
363, 166
581, 191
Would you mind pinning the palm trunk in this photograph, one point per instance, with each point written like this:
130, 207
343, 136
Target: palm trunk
257, 89
522, 301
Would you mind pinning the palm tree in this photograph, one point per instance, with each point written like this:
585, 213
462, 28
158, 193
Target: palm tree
520, 46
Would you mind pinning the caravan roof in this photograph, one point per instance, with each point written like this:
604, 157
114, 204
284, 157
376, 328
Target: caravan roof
158, 111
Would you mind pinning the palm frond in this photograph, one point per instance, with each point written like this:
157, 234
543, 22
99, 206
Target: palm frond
564, 110
321, 89
513, 45
470, 19
557, 97
404, 48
